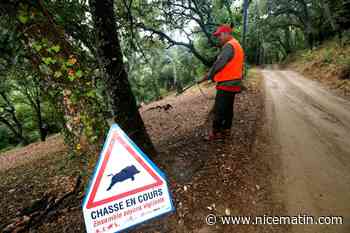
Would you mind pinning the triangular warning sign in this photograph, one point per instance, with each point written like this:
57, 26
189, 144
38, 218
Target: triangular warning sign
126, 188
133, 175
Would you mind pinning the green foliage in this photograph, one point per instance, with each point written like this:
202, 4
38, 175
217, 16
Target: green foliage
57, 74
79, 74
4, 138
49, 60
343, 60
23, 14
327, 56
54, 48
345, 40
307, 55
45, 69
37, 46
279, 28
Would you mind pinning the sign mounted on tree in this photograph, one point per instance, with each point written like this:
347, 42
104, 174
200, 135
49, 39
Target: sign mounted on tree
126, 188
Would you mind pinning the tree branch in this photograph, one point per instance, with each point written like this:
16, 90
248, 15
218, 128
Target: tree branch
172, 42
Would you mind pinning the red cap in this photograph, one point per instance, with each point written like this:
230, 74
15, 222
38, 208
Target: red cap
221, 29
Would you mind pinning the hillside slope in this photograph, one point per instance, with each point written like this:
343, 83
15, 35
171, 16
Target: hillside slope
328, 64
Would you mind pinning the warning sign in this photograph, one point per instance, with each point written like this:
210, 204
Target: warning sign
126, 188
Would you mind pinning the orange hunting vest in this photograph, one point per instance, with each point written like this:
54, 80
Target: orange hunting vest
234, 68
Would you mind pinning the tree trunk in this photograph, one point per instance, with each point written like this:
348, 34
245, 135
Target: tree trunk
18, 134
328, 14
42, 130
16, 125
121, 98
35, 103
309, 32
155, 83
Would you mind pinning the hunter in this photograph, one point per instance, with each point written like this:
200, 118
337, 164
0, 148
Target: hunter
227, 72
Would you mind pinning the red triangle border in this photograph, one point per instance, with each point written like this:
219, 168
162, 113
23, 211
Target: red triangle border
117, 138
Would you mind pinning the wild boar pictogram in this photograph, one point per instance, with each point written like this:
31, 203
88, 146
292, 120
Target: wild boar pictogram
126, 173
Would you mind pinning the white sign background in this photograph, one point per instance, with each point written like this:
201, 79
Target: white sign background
120, 158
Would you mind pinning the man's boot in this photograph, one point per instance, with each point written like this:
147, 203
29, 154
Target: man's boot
213, 136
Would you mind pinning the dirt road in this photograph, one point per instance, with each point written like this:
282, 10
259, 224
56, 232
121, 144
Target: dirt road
311, 129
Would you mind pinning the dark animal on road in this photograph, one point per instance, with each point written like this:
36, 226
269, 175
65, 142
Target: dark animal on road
126, 173
165, 107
